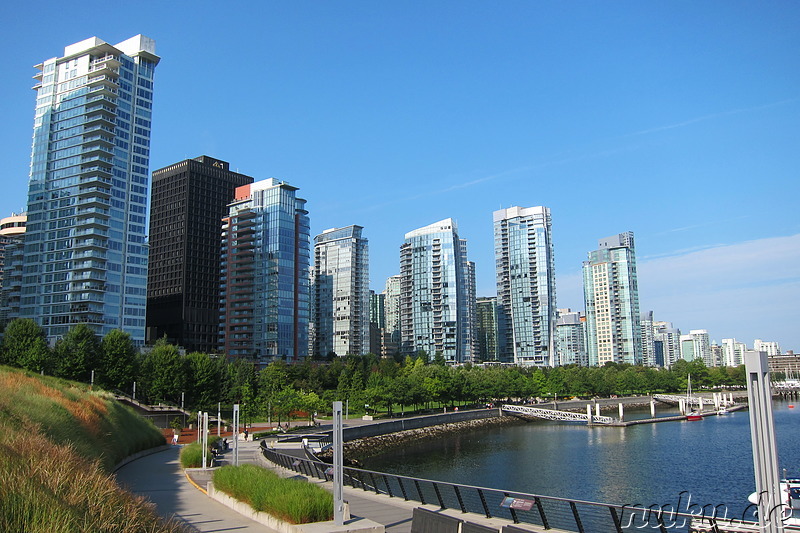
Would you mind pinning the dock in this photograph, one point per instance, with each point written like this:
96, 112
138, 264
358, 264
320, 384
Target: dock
622, 423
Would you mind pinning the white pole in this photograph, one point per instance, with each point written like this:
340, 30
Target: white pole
219, 418
596, 409
621, 412
236, 434
589, 412
652, 408
204, 442
134, 390
338, 465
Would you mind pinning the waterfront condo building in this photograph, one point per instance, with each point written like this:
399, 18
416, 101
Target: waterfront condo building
390, 342
340, 289
611, 295
85, 250
571, 338
733, 352
666, 343
772, 348
264, 280
486, 313
189, 200
526, 288
435, 314
12, 233
697, 345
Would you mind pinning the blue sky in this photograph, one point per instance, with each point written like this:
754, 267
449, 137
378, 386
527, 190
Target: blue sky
675, 120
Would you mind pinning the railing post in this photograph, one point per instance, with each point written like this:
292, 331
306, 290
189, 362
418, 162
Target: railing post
512, 511
438, 495
402, 488
576, 516
419, 491
540, 507
615, 518
483, 502
460, 500
388, 488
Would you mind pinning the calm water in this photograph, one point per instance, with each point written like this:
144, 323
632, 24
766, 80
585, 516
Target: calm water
646, 464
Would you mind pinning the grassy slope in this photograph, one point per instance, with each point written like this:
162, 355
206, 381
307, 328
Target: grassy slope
58, 442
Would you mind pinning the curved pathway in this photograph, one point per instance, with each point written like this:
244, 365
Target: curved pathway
160, 478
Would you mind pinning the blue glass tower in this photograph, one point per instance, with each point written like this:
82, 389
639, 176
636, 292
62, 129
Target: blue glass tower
526, 288
436, 281
85, 250
266, 249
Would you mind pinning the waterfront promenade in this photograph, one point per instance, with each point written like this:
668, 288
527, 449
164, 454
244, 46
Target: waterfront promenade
160, 478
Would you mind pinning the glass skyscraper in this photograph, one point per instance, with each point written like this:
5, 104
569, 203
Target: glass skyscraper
85, 250
611, 294
264, 276
341, 292
436, 278
526, 287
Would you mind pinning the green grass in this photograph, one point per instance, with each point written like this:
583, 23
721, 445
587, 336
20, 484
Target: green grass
291, 500
58, 442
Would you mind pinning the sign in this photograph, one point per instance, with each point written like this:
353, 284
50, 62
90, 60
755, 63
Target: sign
517, 503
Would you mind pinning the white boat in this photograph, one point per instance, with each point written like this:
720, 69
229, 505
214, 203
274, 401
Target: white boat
790, 502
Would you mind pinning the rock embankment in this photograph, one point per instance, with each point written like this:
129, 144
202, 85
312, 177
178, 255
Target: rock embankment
371, 446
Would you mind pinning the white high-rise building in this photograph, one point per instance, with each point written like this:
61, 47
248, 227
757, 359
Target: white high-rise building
341, 292
611, 292
697, 345
435, 313
666, 342
85, 250
526, 288
771, 347
733, 352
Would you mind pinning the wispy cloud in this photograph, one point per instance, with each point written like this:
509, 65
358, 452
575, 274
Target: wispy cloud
711, 116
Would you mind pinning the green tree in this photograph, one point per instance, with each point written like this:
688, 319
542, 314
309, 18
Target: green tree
119, 364
203, 380
25, 346
164, 373
78, 353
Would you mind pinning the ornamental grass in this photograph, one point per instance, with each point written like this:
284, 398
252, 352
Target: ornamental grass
58, 443
291, 500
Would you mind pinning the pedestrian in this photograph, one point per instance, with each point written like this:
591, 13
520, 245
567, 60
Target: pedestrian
175, 437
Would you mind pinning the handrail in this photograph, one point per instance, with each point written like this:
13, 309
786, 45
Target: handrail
547, 512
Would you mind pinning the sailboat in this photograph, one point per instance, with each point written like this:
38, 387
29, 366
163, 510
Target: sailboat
693, 416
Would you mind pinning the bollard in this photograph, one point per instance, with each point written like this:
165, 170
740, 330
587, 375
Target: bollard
596, 409
652, 408
621, 412
589, 413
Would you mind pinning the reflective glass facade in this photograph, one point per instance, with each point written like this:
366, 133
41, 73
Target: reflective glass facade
85, 250
341, 292
264, 282
434, 293
611, 294
526, 289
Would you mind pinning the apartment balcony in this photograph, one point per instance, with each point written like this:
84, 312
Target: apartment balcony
93, 202
108, 59
100, 119
86, 192
90, 276
90, 254
98, 129
98, 150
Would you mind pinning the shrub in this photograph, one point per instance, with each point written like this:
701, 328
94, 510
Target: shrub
192, 455
291, 500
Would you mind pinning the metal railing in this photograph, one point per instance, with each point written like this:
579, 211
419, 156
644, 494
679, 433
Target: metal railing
546, 512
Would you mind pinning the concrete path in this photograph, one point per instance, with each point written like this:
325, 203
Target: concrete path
160, 478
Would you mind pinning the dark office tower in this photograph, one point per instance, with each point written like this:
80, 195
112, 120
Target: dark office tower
189, 200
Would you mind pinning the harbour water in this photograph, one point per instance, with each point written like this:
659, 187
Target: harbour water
676, 464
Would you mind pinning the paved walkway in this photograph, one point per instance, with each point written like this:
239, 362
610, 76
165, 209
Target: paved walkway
160, 478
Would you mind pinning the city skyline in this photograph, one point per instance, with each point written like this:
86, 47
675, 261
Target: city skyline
672, 120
